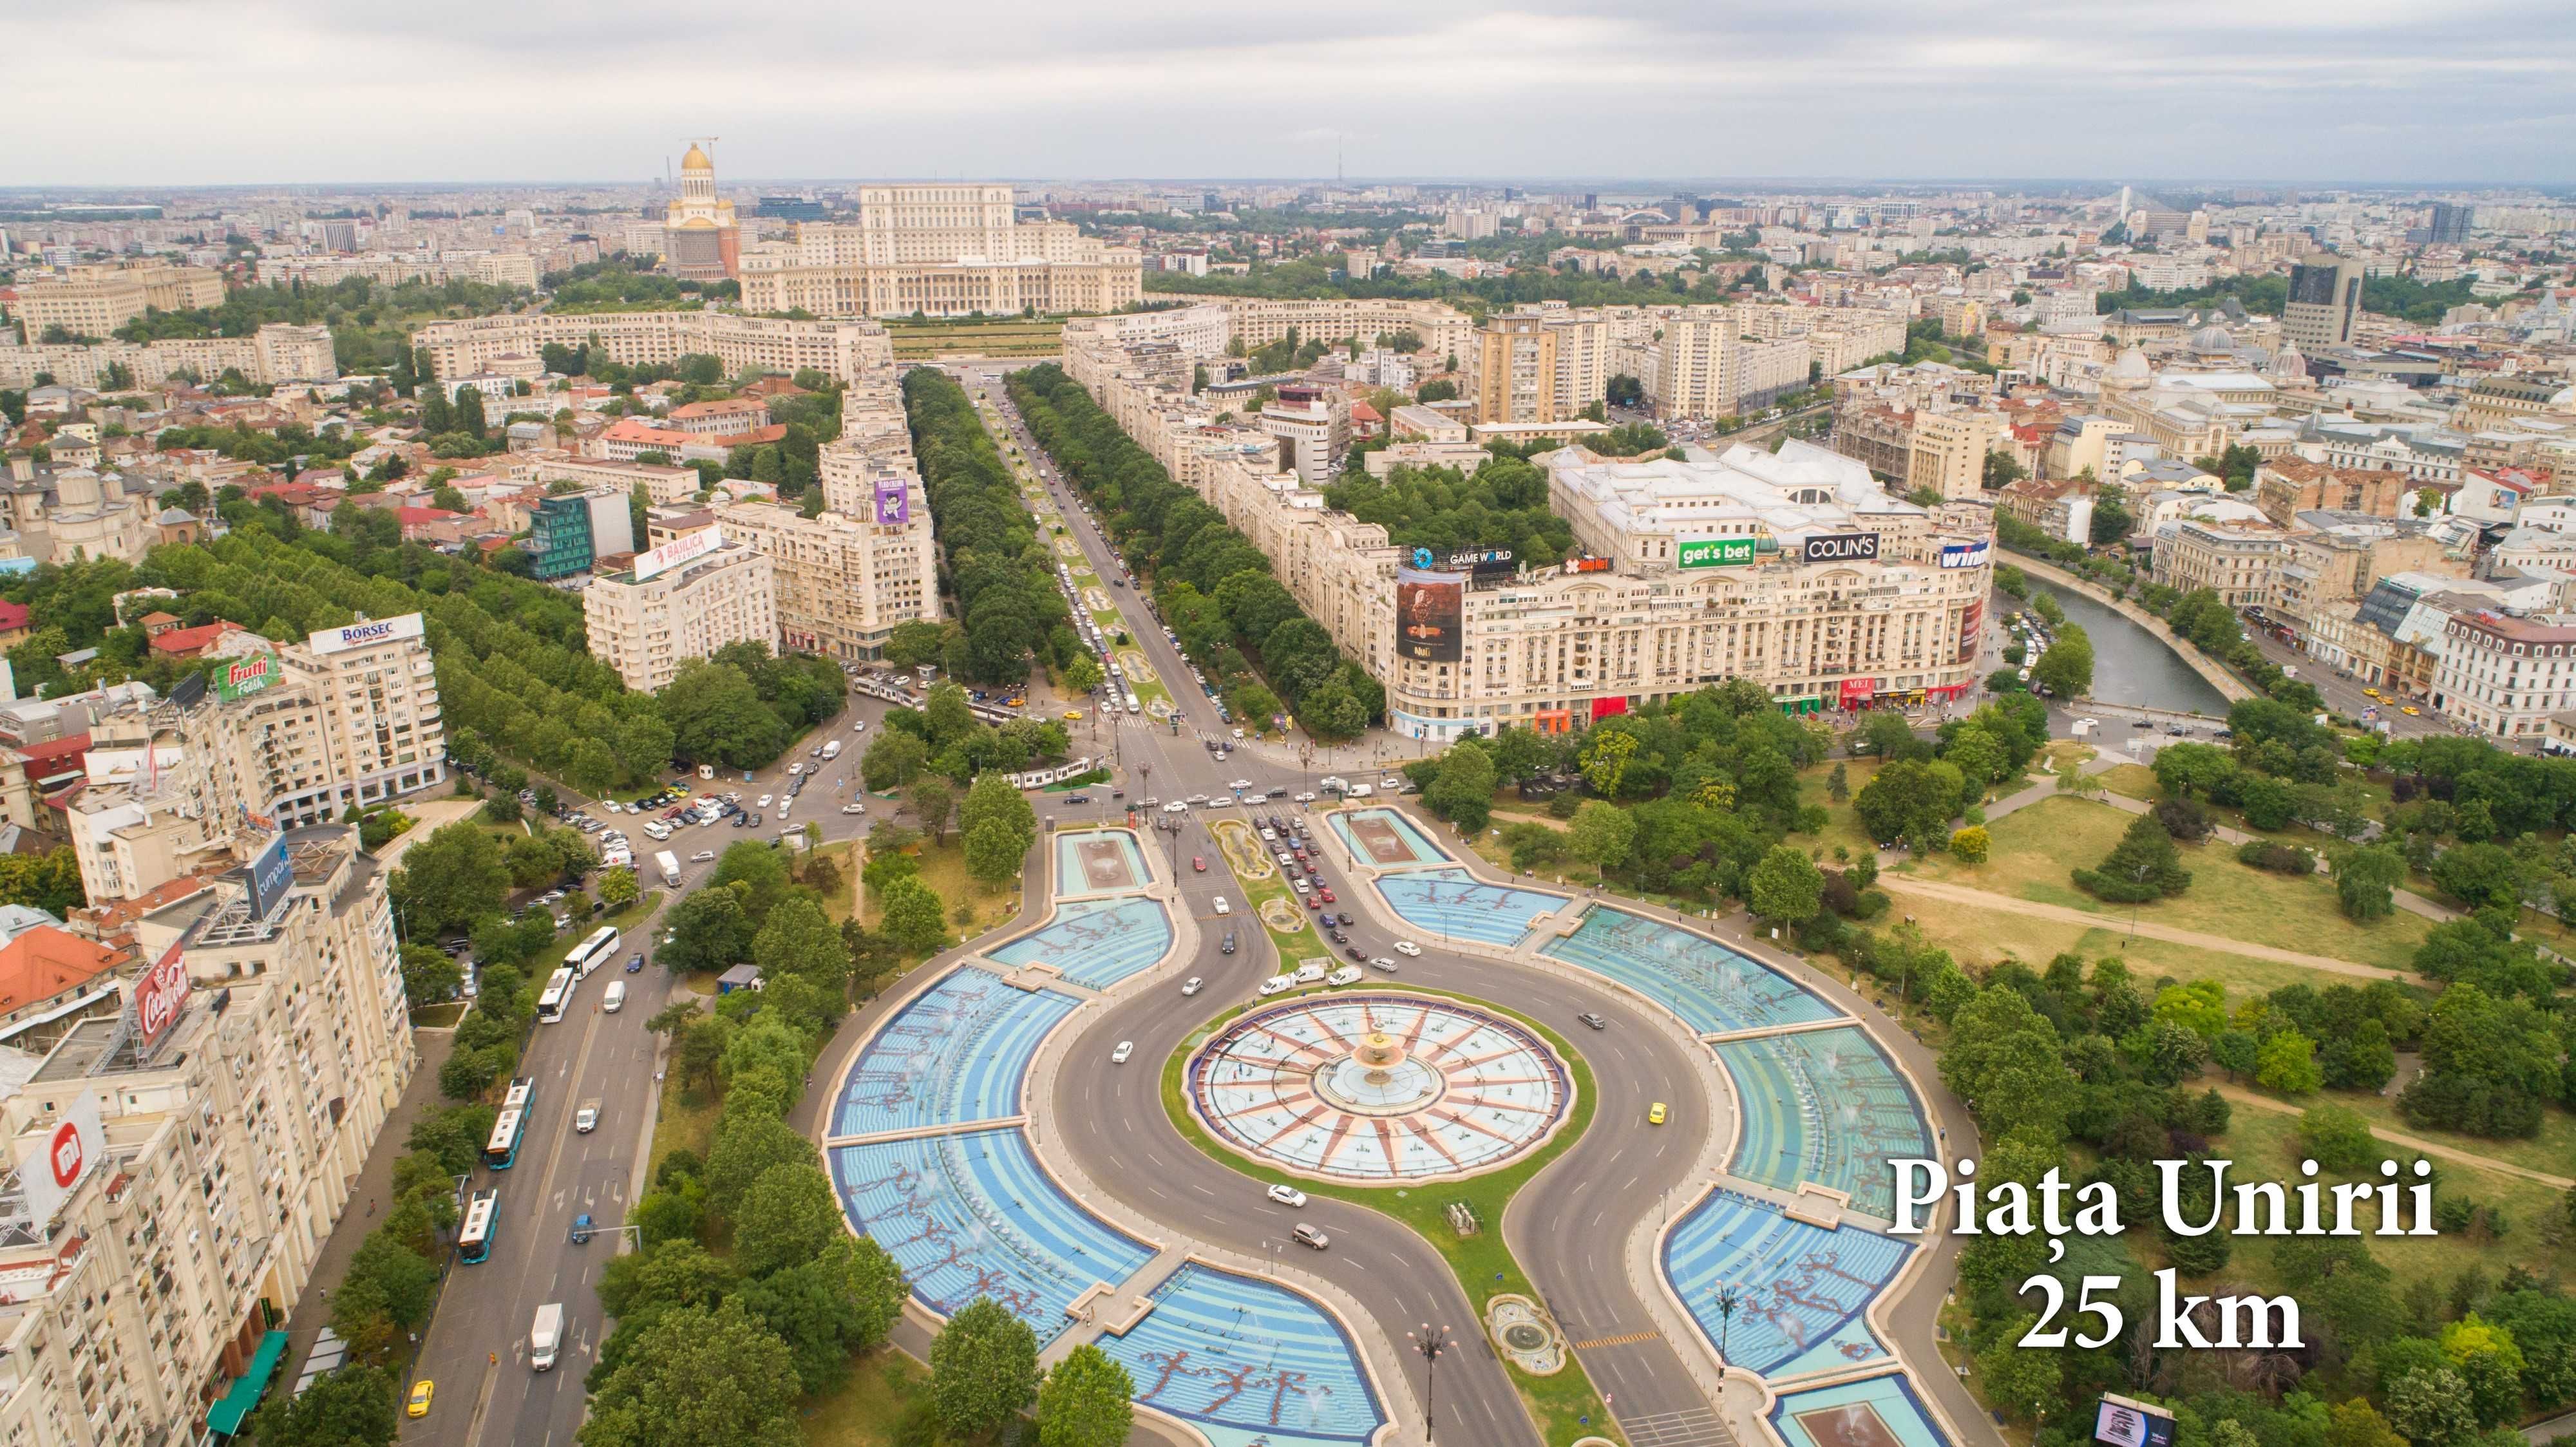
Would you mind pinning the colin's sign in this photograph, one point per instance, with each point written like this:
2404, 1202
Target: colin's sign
1840, 548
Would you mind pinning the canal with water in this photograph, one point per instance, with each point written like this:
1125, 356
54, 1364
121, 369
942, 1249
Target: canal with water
2130, 665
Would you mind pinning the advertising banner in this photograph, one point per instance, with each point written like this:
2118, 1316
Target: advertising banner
1965, 555
271, 875
894, 502
1483, 562
51, 1165
1586, 565
159, 995
1841, 548
1430, 611
677, 551
1716, 552
246, 676
361, 635
2131, 1424
1858, 691
1972, 620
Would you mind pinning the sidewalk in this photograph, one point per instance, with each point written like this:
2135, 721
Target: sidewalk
374, 1184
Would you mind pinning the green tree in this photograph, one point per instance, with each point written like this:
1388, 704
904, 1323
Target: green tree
2066, 668
352, 1407
2004, 1062
798, 939
894, 760
618, 889
710, 932
831, 1308
748, 1146
2018, 1382
429, 976
1971, 845
700, 1376
453, 877
788, 1215
716, 714
934, 802
2432, 1408
1786, 886
1085, 1401
1601, 834
2287, 1062
1463, 793
983, 1369
993, 852
756, 872
913, 917
2144, 866
2366, 880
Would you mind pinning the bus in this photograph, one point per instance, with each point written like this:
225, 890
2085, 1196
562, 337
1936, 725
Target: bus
502, 1151
523, 1095
591, 953
557, 996
482, 1223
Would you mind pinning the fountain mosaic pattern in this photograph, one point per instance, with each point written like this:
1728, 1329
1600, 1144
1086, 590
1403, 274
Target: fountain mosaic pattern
1452, 904
1095, 942
1247, 1363
958, 1053
971, 1215
1807, 1288
1712, 988
1495, 1090
1099, 861
1873, 1412
1826, 1106
1386, 839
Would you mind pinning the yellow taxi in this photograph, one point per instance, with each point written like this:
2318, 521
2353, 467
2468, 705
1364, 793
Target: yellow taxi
2370, 693
2410, 711
1073, 715
1655, 1115
419, 1404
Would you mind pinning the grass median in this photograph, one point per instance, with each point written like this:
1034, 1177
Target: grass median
1564, 1405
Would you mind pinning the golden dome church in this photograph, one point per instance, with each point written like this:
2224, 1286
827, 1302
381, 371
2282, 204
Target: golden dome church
700, 240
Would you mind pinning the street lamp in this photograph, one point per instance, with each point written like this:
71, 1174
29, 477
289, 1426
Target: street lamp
1431, 1342
1728, 1299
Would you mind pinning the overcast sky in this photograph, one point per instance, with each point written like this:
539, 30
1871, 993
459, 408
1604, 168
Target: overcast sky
182, 92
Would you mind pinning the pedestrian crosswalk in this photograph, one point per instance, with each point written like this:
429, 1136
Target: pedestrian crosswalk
1695, 1427
1629, 1340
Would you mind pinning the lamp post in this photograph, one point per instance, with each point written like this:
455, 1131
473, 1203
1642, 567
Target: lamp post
1431, 1342
1728, 1299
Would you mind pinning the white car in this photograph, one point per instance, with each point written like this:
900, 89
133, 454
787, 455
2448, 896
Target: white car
615, 808
703, 856
1346, 975
858, 726
1125, 1049
1192, 985
1269, 836
1240, 785
1288, 1196
795, 769
1408, 948
764, 802
1176, 807
1222, 907
1198, 798
1383, 963
854, 808
1276, 985
1307, 798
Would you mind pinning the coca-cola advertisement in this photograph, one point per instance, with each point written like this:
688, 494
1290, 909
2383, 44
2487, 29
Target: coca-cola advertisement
159, 996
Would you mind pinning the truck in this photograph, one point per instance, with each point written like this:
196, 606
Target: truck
546, 1336
670, 864
831, 751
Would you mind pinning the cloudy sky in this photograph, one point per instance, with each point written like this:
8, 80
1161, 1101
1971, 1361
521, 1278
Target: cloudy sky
164, 92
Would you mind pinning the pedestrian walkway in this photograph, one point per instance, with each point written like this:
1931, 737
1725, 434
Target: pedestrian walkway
2065, 914
2242, 1096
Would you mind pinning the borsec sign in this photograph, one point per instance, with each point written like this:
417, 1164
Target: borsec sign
362, 635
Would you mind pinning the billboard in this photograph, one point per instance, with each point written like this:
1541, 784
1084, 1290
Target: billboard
271, 875
2132, 1424
51, 1166
894, 502
158, 997
1858, 691
1586, 565
1483, 562
1972, 619
1716, 552
1966, 555
1840, 548
246, 676
1430, 610
363, 635
677, 551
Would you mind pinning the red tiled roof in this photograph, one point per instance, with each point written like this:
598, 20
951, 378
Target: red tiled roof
13, 616
45, 962
183, 641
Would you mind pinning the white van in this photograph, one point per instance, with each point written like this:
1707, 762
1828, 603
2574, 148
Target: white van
615, 999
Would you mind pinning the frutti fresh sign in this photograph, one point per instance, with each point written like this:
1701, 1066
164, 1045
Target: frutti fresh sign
1716, 552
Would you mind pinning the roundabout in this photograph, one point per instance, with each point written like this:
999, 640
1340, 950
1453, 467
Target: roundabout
1378, 1088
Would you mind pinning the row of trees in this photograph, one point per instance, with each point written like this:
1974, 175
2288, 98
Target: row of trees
944, 737
1212, 586
1502, 505
998, 567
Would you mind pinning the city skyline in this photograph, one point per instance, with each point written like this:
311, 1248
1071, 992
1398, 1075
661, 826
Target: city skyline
2373, 96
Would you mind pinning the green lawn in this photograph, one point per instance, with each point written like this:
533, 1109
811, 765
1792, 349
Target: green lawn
943, 868
865, 1412
1842, 827
2035, 849
1976, 936
1484, 1265
2552, 1151
2265, 1143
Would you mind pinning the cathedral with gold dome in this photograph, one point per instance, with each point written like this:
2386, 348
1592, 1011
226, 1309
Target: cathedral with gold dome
700, 239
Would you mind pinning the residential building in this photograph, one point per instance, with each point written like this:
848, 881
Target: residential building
1709, 367
93, 301
275, 354
843, 579
1947, 452
2287, 486
2239, 561
2324, 302
844, 350
1516, 370
1313, 432
570, 531
181, 1161
2504, 676
680, 601
666, 486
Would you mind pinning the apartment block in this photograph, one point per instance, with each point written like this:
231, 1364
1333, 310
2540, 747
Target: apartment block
1946, 452
93, 301
1516, 371
179, 1163
276, 353
683, 600
2505, 676
1709, 367
845, 350
2240, 562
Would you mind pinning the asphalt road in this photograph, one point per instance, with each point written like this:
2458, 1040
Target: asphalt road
477, 1344
1577, 1214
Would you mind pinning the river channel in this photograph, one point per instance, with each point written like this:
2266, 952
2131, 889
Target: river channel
2131, 665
